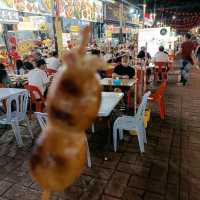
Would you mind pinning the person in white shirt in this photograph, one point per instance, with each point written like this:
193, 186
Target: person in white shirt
38, 77
161, 56
53, 61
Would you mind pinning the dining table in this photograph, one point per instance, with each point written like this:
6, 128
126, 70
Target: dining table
126, 85
109, 102
123, 82
17, 81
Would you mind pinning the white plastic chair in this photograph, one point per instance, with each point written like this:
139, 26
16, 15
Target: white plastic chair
42, 119
16, 114
131, 123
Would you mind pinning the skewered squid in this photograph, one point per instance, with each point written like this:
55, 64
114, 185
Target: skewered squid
73, 102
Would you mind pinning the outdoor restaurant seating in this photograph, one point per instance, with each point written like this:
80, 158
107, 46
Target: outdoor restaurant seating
38, 103
160, 71
42, 119
131, 123
16, 108
158, 97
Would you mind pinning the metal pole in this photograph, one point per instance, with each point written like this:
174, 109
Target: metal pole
5, 37
144, 12
121, 21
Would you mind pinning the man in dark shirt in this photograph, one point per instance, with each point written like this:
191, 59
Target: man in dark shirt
123, 70
187, 48
142, 53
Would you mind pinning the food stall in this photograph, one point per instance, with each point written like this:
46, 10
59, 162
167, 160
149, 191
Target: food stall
8, 17
76, 14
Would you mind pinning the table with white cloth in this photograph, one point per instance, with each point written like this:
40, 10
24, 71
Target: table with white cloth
124, 82
126, 85
109, 101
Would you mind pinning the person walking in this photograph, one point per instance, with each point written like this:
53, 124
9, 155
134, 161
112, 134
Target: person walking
186, 52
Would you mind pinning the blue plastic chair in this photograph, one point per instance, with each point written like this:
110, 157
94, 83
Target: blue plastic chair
42, 119
16, 108
131, 123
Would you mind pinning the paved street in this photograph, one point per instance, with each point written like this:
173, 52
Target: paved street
169, 170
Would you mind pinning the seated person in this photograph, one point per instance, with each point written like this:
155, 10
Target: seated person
161, 56
141, 54
100, 73
28, 66
20, 67
4, 78
53, 61
123, 70
38, 77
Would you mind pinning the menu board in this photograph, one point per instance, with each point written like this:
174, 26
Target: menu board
89, 10
34, 6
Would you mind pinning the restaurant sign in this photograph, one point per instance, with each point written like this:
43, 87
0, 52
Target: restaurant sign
88, 10
9, 16
43, 7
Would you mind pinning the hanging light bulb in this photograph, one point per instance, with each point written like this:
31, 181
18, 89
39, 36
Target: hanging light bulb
173, 17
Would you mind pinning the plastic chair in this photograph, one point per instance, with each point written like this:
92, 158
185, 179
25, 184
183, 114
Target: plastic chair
158, 97
42, 119
160, 68
39, 103
50, 72
131, 123
17, 114
109, 73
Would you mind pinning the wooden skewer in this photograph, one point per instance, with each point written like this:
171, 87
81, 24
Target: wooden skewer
46, 195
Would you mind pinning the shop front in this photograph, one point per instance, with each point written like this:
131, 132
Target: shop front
25, 23
9, 16
76, 14
122, 18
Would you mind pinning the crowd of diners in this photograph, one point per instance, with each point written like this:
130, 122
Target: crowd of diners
35, 67
36, 64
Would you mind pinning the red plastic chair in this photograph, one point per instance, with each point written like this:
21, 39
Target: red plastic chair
109, 73
171, 57
39, 103
160, 68
51, 71
158, 97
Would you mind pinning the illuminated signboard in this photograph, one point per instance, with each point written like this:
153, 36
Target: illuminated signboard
88, 10
8, 16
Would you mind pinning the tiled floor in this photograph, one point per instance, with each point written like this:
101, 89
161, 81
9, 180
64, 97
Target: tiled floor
169, 170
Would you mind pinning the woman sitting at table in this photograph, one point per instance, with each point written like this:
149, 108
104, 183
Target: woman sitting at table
4, 78
123, 70
38, 77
